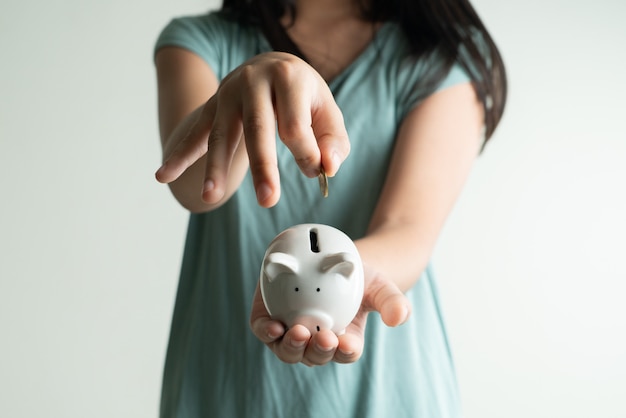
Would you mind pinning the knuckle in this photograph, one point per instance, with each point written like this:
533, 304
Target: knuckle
208, 107
247, 73
307, 160
190, 147
293, 129
284, 69
217, 136
225, 93
288, 357
262, 168
346, 358
312, 362
254, 122
319, 359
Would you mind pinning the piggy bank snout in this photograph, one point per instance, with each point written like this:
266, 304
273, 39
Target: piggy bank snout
313, 320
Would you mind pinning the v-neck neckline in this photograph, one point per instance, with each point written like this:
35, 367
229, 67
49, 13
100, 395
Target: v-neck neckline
370, 49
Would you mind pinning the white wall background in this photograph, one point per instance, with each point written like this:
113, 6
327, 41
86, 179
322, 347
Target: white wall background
531, 263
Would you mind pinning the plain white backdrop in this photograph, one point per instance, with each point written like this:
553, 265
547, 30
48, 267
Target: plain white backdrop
531, 263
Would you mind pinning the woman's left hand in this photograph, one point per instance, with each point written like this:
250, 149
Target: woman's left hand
296, 344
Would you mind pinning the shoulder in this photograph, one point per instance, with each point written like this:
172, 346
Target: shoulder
196, 25
193, 32
417, 76
409, 70
221, 42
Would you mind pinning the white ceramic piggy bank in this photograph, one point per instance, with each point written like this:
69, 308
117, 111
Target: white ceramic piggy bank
312, 275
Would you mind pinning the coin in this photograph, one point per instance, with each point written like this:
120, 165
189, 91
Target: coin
323, 179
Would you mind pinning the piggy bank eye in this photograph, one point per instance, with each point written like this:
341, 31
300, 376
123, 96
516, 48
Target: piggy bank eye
318, 289
297, 289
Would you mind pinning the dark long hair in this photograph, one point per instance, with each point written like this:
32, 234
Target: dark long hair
451, 28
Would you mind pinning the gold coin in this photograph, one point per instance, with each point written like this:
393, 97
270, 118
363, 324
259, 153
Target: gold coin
323, 179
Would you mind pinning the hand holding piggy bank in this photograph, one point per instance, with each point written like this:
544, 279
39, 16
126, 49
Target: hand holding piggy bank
312, 275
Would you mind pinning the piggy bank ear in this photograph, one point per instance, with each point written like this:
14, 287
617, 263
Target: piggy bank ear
340, 263
279, 263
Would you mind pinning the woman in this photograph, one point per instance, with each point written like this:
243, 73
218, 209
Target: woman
257, 99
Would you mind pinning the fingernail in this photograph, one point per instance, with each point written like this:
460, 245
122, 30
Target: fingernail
336, 161
324, 349
405, 315
298, 343
313, 172
209, 186
160, 170
273, 335
263, 192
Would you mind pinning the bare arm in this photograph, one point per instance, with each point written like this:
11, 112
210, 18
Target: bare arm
435, 150
212, 133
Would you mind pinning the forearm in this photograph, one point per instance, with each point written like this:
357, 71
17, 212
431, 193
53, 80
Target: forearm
398, 253
435, 150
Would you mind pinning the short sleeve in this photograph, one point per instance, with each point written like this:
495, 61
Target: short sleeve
415, 84
456, 75
203, 35
464, 69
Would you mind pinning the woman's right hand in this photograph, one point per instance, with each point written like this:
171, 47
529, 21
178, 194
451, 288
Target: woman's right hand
269, 90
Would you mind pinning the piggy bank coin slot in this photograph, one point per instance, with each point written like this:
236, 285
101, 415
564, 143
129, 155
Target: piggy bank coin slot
313, 239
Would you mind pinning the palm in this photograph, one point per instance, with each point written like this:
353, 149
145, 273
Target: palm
298, 345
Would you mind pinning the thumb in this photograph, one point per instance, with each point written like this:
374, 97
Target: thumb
384, 297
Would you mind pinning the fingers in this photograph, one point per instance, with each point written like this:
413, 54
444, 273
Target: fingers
296, 344
190, 149
299, 346
264, 328
330, 131
267, 330
351, 343
222, 144
311, 124
259, 129
293, 345
291, 95
293, 114
271, 89
321, 348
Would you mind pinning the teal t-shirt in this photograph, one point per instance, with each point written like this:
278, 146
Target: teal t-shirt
215, 367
